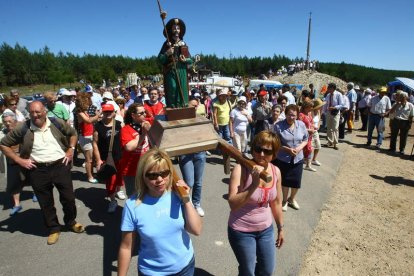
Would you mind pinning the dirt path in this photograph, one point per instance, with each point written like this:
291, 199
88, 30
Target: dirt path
367, 225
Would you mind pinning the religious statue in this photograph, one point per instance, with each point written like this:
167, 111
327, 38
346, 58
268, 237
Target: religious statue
175, 58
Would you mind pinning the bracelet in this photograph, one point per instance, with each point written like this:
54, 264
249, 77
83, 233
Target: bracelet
280, 227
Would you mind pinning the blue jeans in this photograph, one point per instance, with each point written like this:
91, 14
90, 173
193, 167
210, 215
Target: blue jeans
188, 270
255, 251
224, 132
373, 122
192, 169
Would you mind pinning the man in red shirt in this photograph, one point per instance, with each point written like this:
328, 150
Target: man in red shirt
153, 107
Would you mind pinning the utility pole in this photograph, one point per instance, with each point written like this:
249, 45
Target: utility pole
308, 47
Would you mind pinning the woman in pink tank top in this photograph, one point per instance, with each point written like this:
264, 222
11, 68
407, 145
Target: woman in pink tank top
254, 205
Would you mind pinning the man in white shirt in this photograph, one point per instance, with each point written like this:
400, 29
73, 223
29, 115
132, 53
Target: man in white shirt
403, 113
46, 154
334, 103
378, 108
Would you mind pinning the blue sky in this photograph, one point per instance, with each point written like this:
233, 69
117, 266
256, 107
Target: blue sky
364, 32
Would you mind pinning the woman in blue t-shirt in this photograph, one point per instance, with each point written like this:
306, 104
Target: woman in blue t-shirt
162, 220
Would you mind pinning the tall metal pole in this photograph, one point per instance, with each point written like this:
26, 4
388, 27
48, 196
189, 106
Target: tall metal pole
308, 47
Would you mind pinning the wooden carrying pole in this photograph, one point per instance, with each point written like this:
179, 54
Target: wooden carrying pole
233, 152
182, 192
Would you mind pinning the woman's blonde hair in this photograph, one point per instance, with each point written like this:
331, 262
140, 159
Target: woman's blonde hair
152, 158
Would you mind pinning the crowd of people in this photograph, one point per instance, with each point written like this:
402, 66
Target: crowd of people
276, 129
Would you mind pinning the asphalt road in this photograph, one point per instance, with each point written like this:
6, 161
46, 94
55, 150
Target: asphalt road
23, 248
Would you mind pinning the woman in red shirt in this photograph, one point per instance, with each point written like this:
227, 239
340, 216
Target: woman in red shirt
134, 142
85, 128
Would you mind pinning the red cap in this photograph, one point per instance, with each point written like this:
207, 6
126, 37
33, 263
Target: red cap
262, 93
107, 107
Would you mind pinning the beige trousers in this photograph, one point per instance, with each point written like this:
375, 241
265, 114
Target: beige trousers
332, 125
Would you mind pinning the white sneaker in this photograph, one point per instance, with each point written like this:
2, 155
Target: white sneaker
294, 205
120, 194
316, 163
309, 168
200, 211
112, 206
284, 206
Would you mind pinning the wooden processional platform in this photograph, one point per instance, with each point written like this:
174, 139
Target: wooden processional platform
183, 133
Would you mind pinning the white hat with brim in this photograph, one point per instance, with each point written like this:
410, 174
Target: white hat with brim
242, 99
66, 93
224, 91
108, 95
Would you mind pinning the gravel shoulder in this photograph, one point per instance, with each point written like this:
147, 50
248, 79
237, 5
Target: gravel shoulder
366, 226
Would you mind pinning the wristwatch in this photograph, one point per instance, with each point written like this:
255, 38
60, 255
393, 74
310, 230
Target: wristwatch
72, 147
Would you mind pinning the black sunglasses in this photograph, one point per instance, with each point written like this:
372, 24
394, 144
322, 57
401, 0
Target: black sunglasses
259, 149
155, 175
140, 113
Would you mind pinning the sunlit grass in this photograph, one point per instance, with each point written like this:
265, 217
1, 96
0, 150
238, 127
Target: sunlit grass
38, 88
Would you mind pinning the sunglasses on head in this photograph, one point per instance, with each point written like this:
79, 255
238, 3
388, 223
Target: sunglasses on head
155, 175
259, 149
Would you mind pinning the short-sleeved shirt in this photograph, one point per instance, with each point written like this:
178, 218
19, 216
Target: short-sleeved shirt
363, 103
166, 247
352, 96
290, 98
404, 112
129, 160
153, 110
240, 121
291, 139
223, 112
69, 108
59, 111
104, 139
379, 105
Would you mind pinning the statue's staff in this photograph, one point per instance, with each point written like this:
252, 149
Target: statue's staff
163, 15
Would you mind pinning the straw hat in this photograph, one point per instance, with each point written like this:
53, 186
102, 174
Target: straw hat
383, 89
317, 103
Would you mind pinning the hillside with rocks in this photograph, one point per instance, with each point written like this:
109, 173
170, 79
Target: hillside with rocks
307, 77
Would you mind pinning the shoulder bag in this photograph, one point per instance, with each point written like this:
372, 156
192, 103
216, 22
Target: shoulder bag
108, 168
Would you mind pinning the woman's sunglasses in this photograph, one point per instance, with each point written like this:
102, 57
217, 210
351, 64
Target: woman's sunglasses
155, 175
259, 149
